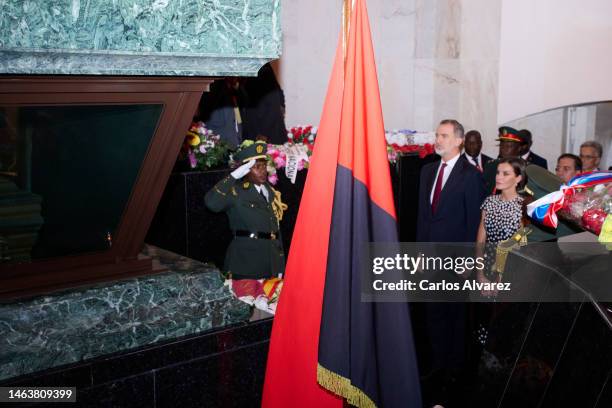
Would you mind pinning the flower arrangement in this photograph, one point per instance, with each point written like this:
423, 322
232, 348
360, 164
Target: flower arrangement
203, 148
301, 140
586, 200
589, 207
303, 135
293, 157
408, 141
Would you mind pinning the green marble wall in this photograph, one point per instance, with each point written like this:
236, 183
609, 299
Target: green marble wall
79, 324
138, 37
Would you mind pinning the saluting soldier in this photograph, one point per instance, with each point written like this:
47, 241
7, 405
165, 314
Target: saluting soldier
254, 210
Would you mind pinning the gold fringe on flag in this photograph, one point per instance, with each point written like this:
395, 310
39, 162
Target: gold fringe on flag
342, 386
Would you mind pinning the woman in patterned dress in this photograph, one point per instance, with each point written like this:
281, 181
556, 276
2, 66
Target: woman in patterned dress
502, 214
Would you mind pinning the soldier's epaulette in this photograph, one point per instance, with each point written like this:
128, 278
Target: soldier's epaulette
220, 192
234, 193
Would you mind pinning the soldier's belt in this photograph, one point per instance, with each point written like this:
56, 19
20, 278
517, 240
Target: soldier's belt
256, 235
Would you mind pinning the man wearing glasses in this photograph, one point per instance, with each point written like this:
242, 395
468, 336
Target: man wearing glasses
590, 154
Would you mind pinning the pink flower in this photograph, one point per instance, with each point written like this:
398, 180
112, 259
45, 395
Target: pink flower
273, 152
300, 165
272, 179
202, 149
279, 162
192, 159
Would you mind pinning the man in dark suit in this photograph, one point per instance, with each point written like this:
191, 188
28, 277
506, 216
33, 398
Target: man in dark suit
254, 210
223, 110
450, 194
449, 206
527, 154
266, 111
473, 146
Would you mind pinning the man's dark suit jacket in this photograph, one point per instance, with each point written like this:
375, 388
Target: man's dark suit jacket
483, 158
537, 160
458, 214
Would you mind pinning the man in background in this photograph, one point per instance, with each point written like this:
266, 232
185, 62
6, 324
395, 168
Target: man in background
526, 153
473, 147
568, 166
223, 109
266, 107
590, 154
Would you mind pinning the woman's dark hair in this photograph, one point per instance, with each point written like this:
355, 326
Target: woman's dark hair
518, 165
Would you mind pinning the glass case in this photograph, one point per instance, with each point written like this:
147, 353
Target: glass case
66, 174
83, 164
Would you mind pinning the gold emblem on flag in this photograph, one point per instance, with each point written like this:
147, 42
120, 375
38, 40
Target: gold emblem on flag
259, 149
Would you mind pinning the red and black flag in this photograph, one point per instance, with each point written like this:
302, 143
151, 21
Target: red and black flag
325, 342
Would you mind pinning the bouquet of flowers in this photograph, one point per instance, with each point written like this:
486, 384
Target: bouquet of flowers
589, 207
274, 161
407, 141
586, 200
293, 157
303, 135
203, 148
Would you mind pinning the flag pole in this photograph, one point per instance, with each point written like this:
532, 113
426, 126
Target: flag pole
347, 8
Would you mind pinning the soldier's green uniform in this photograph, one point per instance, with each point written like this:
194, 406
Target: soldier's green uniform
256, 250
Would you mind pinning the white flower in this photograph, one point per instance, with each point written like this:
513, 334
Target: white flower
396, 138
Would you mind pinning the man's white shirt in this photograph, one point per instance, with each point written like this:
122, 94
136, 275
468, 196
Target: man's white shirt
262, 189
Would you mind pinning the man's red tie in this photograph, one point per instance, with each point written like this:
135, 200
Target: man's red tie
475, 158
437, 189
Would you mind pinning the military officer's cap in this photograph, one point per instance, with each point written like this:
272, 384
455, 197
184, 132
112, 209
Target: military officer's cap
510, 135
253, 150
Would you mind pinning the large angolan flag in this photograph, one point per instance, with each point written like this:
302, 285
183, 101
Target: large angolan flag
326, 344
